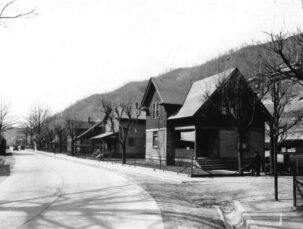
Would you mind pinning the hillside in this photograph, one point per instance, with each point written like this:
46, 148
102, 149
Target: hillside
242, 58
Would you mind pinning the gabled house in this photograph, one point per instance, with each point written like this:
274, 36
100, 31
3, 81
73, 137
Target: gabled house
81, 141
161, 99
183, 124
108, 140
84, 141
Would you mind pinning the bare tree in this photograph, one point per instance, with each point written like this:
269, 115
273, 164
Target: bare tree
6, 120
60, 132
5, 15
279, 69
238, 102
279, 89
72, 126
6, 123
121, 117
37, 121
286, 56
48, 133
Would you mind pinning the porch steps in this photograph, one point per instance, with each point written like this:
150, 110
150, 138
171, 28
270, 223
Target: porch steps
219, 163
211, 164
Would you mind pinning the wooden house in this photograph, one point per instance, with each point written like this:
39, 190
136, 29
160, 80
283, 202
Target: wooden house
82, 141
290, 150
183, 125
108, 143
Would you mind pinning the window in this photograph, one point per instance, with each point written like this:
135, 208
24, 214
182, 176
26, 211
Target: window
131, 142
186, 140
155, 110
223, 109
155, 139
291, 150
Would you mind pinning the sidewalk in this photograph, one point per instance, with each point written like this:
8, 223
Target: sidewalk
257, 209
135, 170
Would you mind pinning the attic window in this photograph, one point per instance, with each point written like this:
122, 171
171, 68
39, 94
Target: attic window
223, 110
155, 110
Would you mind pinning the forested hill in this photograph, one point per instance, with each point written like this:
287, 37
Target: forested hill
242, 58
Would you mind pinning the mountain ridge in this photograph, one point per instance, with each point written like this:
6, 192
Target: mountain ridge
242, 58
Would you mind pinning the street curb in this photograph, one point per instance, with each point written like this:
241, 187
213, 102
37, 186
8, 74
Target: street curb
238, 218
221, 214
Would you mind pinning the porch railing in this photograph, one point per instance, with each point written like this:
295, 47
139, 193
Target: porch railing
184, 153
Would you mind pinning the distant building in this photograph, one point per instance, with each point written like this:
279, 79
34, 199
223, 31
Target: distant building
290, 150
83, 140
101, 136
181, 124
80, 128
109, 145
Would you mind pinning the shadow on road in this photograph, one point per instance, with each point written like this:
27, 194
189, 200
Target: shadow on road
103, 207
5, 165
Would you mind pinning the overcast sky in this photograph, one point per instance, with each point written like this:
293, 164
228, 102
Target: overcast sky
76, 48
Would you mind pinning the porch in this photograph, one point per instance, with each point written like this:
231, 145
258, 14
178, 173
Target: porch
106, 143
208, 148
193, 142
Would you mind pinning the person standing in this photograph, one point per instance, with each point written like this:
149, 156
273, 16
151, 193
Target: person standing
256, 164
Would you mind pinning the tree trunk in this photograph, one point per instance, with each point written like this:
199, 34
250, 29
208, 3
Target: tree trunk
272, 149
240, 153
275, 151
72, 146
60, 146
124, 153
275, 135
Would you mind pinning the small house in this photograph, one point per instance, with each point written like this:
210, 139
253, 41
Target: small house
81, 141
107, 141
182, 124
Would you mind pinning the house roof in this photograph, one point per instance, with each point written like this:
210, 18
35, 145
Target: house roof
84, 124
104, 135
294, 136
142, 115
89, 130
170, 91
198, 93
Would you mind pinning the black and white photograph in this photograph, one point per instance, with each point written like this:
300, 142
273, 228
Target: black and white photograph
151, 114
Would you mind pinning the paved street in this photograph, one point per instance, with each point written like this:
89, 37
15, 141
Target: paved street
45, 192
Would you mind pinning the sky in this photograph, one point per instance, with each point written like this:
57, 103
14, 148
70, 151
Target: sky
75, 48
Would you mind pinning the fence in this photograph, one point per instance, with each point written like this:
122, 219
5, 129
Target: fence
140, 161
297, 186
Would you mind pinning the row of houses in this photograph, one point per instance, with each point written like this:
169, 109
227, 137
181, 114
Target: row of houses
180, 123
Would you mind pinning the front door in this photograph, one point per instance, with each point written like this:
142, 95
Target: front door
208, 143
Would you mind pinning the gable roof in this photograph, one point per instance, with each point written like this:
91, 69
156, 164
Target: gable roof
84, 124
89, 130
198, 93
142, 115
170, 91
